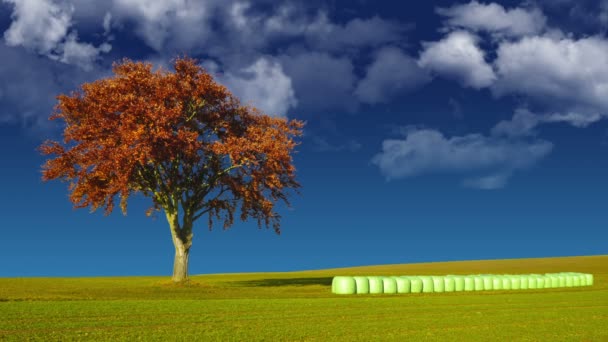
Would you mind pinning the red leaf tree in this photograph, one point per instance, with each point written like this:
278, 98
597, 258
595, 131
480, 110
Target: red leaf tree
178, 137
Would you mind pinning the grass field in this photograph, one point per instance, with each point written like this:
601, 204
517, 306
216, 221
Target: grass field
299, 306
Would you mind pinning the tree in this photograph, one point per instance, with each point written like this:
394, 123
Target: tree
178, 137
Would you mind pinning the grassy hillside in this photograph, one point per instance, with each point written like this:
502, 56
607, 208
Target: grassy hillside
300, 306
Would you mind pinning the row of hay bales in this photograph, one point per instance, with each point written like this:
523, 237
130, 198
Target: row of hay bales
454, 283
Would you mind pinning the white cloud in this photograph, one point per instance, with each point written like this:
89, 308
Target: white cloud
28, 93
495, 19
42, 26
38, 25
392, 71
457, 56
576, 119
264, 85
227, 27
107, 23
568, 76
356, 33
179, 23
521, 124
428, 151
524, 122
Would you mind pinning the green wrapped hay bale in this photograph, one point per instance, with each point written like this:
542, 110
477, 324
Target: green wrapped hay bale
583, 279
569, 280
589, 279
540, 282
548, 281
362, 284
389, 284
496, 282
375, 285
488, 282
438, 284
427, 284
415, 284
479, 283
403, 284
458, 283
523, 281
343, 285
448, 284
532, 282
562, 280
576, 280
469, 283
515, 282
554, 280
506, 282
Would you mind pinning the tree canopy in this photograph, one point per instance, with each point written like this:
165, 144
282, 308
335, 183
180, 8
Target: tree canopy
178, 137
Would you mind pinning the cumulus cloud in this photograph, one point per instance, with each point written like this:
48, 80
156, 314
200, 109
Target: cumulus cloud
568, 76
314, 51
429, 151
264, 85
391, 72
290, 20
494, 18
178, 23
459, 57
42, 26
227, 27
28, 93
357, 32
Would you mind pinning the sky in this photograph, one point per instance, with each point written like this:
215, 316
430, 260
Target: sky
436, 130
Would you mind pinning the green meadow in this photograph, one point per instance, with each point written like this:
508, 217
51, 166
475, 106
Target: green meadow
299, 306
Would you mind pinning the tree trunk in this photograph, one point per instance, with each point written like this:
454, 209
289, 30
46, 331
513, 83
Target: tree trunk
180, 264
182, 240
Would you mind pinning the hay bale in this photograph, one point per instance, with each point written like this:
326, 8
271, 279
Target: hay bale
506, 282
515, 282
427, 284
415, 284
403, 284
480, 283
488, 282
469, 283
496, 282
362, 284
376, 285
448, 284
389, 284
562, 280
438, 284
540, 282
523, 281
554, 280
589, 277
458, 283
343, 285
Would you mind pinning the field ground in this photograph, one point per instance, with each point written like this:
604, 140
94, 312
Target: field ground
299, 306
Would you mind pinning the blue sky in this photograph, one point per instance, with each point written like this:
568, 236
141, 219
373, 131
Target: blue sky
435, 131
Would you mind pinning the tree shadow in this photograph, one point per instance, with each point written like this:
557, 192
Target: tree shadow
325, 281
